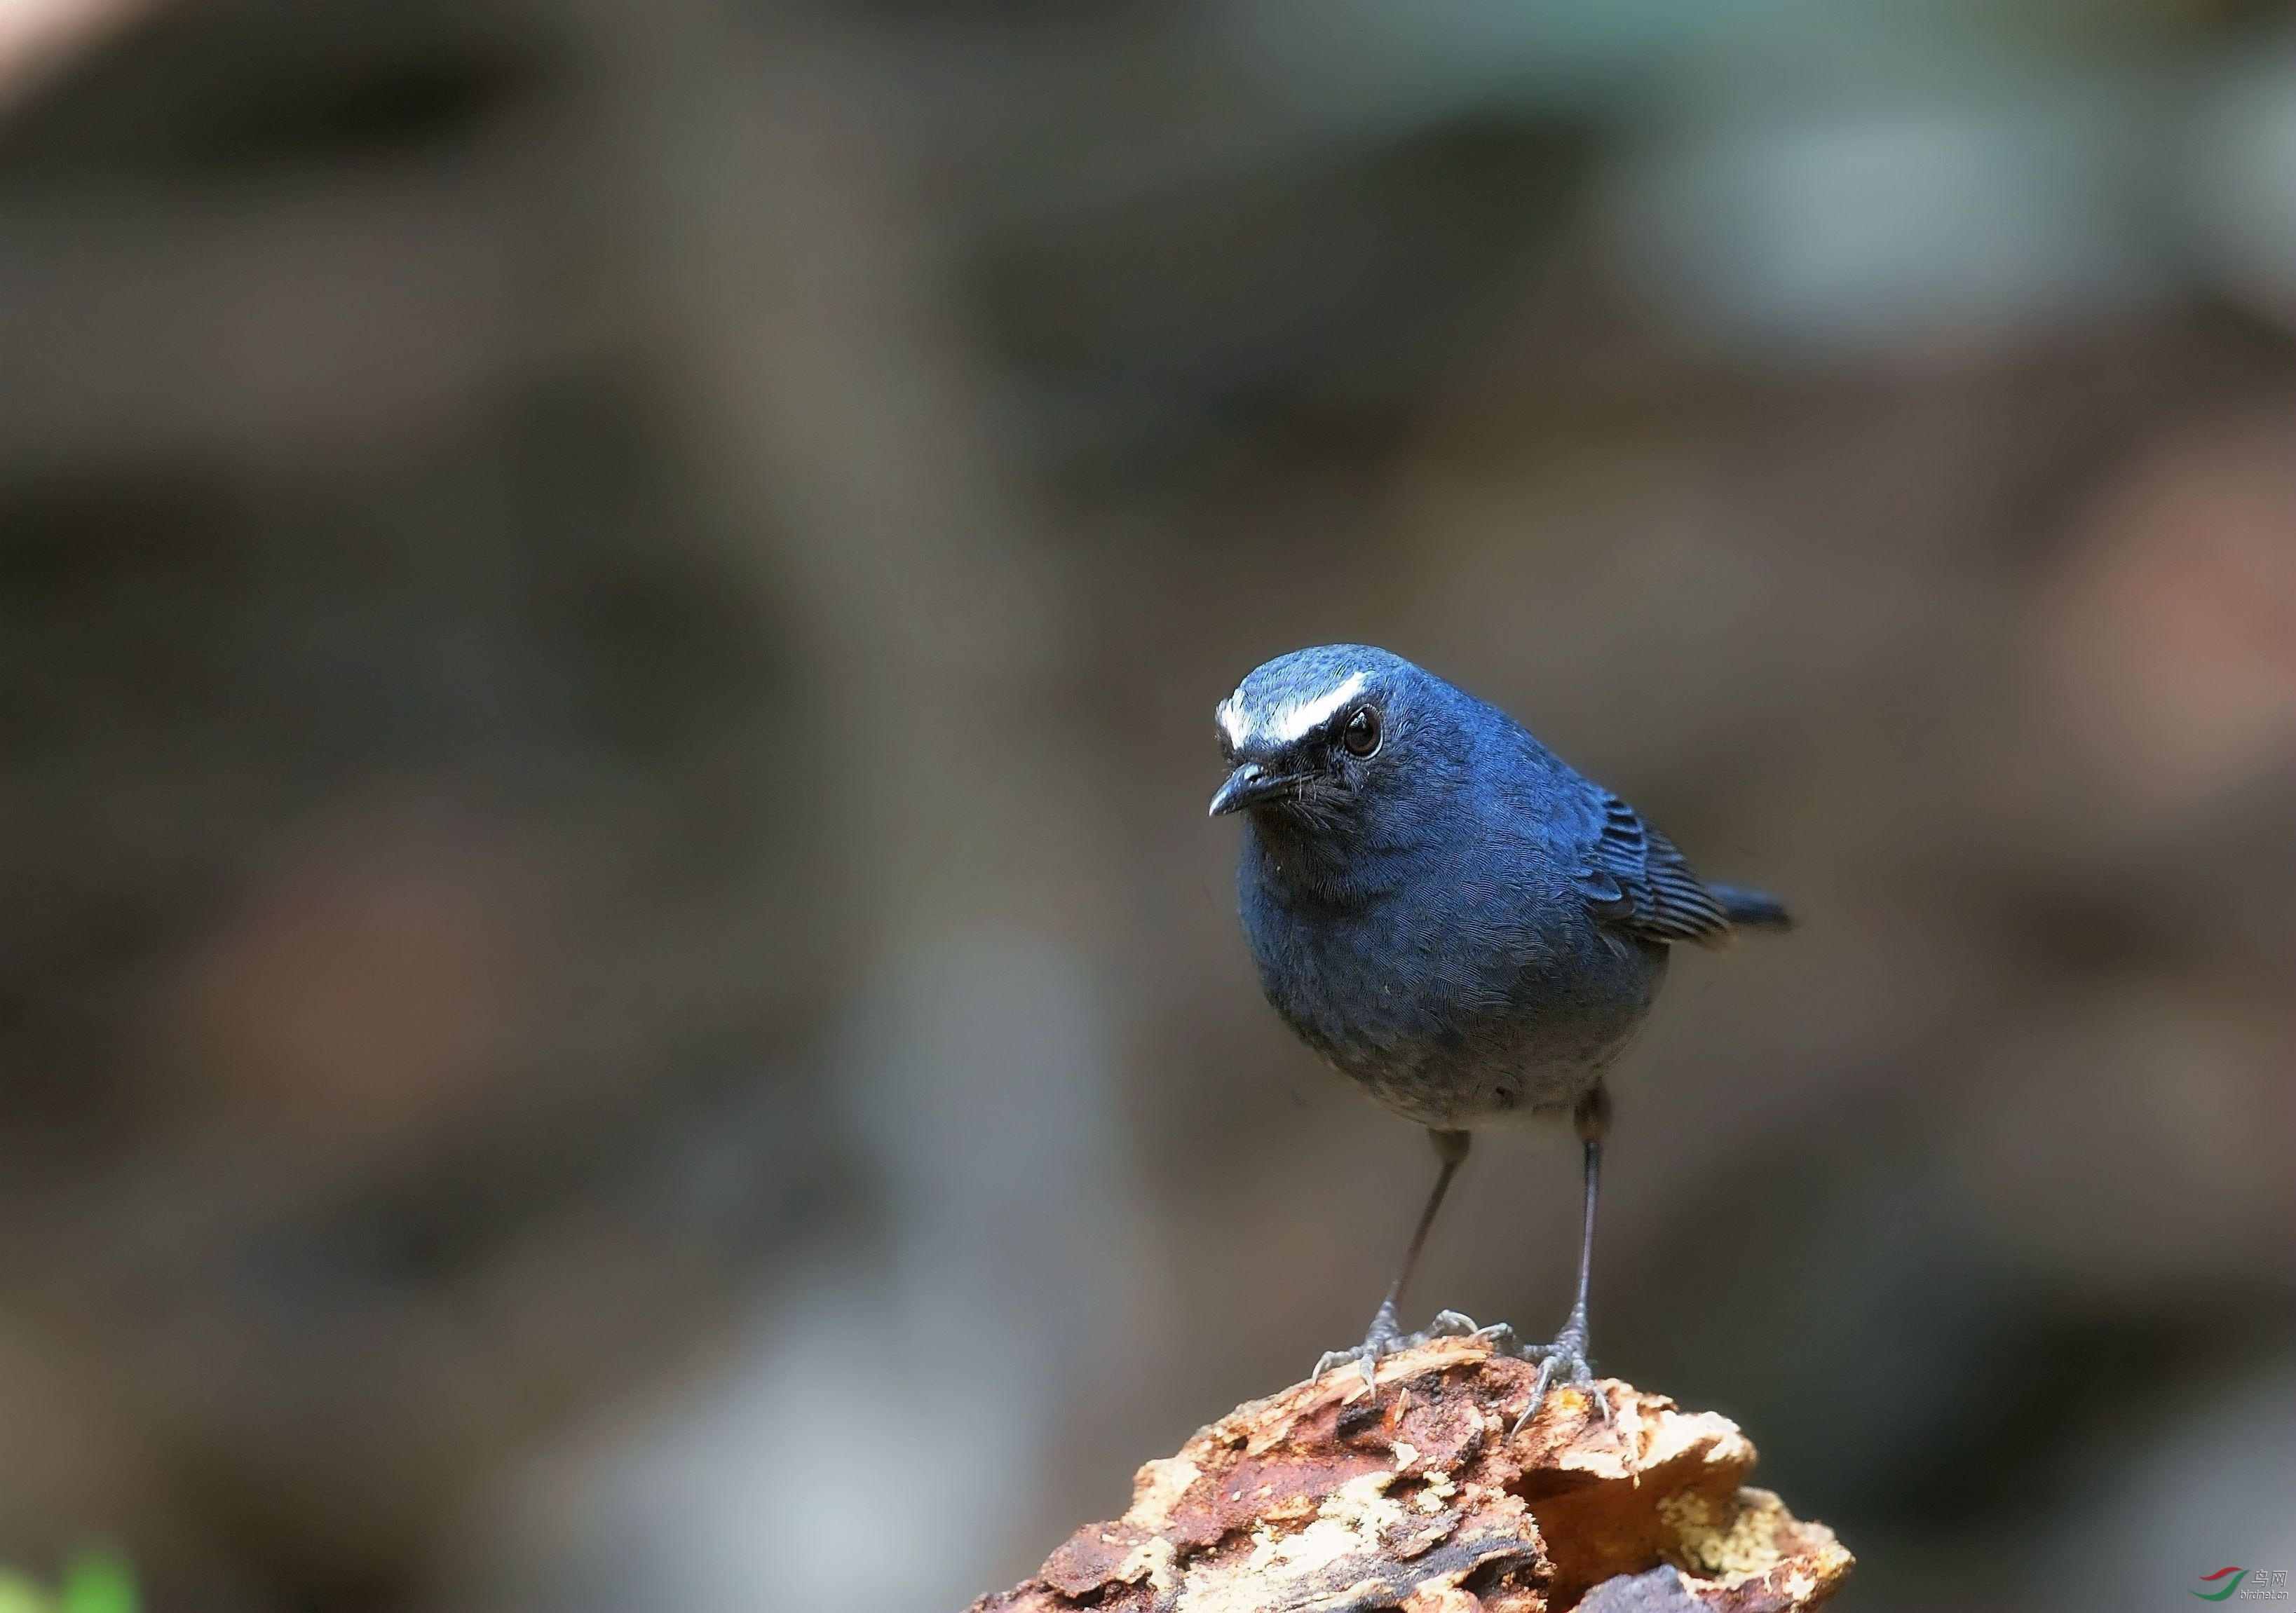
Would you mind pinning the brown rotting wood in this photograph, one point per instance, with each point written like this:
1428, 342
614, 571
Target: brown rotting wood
1321, 1499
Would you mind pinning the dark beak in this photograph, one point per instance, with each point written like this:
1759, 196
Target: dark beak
1248, 786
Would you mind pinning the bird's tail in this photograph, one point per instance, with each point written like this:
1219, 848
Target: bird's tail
1751, 909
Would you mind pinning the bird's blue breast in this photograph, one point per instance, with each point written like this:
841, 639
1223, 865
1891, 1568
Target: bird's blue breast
1458, 975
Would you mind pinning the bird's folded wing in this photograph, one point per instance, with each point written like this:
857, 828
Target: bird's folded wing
1635, 881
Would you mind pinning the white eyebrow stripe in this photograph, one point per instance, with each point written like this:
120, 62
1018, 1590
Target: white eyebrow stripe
1231, 719
1296, 721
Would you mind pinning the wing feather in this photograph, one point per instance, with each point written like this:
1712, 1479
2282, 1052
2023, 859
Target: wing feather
1635, 881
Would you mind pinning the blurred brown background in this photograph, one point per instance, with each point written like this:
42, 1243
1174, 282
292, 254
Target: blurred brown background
609, 613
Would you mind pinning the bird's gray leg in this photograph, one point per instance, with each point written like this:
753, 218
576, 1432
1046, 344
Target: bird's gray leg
1386, 1334
1565, 1360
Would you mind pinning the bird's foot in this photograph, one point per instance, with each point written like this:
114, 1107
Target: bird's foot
1386, 1337
1563, 1362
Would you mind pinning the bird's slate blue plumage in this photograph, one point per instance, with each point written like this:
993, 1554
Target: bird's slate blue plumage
1459, 922
1439, 905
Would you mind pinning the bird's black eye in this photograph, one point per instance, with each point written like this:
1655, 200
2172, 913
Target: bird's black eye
1361, 736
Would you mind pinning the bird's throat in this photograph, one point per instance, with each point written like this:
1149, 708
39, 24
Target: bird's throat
1304, 864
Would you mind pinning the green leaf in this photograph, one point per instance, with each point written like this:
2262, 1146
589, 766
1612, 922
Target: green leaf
18, 1594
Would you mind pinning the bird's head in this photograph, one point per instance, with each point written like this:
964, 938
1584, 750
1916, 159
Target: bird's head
1316, 738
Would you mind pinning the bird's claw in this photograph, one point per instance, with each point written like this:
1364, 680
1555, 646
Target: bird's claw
1563, 1362
1366, 1355
1498, 1335
1385, 1338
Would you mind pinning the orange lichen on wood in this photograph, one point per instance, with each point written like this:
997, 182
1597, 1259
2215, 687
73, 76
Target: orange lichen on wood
1324, 1500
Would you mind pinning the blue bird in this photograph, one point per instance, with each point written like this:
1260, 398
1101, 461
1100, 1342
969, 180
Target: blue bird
1455, 920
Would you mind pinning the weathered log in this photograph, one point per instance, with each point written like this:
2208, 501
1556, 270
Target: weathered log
1323, 1499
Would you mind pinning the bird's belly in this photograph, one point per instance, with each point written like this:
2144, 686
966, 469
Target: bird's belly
1461, 1036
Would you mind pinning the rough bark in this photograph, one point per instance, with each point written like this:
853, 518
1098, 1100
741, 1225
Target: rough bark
1321, 1499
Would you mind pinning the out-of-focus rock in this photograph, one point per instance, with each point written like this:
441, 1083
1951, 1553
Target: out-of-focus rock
1323, 1497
